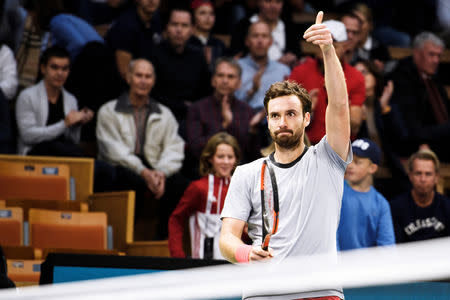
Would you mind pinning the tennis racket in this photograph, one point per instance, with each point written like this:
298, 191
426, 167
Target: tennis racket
269, 204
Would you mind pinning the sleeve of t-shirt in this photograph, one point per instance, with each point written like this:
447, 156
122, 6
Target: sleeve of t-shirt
324, 149
385, 232
357, 95
238, 200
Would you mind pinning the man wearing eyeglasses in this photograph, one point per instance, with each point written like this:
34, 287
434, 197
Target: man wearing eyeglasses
307, 181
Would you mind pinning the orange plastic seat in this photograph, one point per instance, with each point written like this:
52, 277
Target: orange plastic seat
24, 270
34, 181
11, 226
62, 229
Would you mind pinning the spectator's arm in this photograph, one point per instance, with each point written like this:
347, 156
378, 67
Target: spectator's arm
29, 129
8, 72
385, 232
196, 136
188, 205
172, 155
110, 141
123, 59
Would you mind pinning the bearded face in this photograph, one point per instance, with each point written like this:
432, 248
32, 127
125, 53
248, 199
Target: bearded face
287, 138
286, 121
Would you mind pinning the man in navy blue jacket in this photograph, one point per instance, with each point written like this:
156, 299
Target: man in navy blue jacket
422, 213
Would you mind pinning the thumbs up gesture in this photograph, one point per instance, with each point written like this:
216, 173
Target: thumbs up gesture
319, 34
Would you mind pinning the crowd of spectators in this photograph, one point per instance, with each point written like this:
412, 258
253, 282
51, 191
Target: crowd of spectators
143, 85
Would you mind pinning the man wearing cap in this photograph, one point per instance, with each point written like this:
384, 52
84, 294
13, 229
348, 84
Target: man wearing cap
365, 214
310, 74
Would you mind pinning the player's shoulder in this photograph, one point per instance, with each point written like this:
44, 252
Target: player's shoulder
250, 167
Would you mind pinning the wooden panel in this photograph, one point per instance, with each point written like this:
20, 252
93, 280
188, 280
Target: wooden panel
225, 38
80, 251
81, 169
21, 252
119, 206
149, 248
309, 49
399, 53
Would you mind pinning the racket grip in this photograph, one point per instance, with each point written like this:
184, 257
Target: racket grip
265, 244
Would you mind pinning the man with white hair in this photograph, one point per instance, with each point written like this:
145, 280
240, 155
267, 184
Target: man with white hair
140, 137
310, 74
422, 100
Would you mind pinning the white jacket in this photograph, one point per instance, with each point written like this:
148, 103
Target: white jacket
116, 137
32, 115
8, 72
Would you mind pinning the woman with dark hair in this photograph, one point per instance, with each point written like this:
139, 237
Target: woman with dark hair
381, 123
203, 200
204, 19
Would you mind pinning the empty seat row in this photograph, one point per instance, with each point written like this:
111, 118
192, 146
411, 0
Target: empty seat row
54, 229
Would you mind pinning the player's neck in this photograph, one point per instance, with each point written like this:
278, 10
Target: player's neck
362, 186
285, 156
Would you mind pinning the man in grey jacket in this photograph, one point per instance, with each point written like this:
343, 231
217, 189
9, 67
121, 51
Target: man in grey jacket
47, 115
140, 136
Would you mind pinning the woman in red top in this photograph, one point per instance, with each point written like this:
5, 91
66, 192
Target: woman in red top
203, 200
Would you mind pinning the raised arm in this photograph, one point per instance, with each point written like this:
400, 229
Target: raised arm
337, 118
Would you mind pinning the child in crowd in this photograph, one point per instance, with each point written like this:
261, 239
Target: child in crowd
365, 214
203, 200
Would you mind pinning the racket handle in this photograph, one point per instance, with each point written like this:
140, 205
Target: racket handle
265, 244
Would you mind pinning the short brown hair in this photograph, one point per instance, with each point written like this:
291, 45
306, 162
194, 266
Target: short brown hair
287, 88
424, 155
210, 149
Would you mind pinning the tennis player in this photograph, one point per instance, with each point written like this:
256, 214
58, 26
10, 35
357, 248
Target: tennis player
309, 180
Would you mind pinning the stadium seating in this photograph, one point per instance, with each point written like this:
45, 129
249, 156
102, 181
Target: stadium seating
11, 226
34, 181
81, 170
62, 229
24, 272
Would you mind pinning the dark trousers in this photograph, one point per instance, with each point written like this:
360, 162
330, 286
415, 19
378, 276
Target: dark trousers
146, 205
5, 126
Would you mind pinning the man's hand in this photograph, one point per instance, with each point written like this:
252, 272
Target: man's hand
319, 34
155, 180
87, 115
73, 117
161, 184
385, 98
227, 114
256, 119
258, 254
256, 81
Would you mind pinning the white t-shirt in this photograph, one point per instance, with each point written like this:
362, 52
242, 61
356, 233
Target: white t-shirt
310, 192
